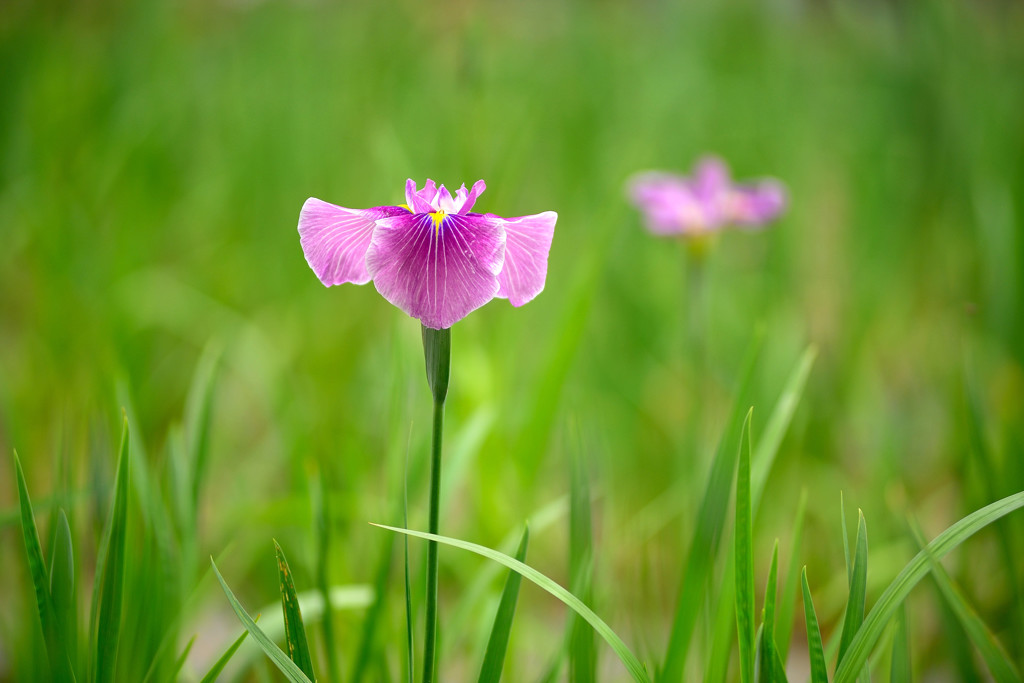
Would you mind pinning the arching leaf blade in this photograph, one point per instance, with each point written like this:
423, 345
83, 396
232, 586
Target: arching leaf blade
893, 596
636, 670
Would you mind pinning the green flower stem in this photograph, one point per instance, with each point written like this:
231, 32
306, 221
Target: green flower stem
437, 354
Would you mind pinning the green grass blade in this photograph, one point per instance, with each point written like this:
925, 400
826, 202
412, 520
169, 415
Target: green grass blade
273, 652
62, 587
876, 621
758, 644
768, 650
996, 659
369, 629
218, 667
816, 651
410, 645
60, 666
778, 668
180, 662
723, 626
858, 588
994, 478
582, 649
846, 539
294, 630
111, 580
198, 409
744, 559
632, 664
708, 533
320, 503
778, 424
899, 667
497, 644
787, 604
770, 594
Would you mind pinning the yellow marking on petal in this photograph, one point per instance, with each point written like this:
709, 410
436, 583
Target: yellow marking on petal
406, 207
438, 218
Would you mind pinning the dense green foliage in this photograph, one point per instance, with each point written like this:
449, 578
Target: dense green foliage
153, 160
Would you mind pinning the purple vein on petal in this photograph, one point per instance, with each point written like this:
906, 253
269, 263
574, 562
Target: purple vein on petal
437, 274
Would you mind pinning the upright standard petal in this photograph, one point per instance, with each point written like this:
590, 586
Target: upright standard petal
335, 239
465, 200
437, 268
711, 178
527, 243
420, 201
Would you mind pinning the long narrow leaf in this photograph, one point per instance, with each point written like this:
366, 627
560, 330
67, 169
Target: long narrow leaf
180, 662
996, 659
899, 667
60, 666
778, 424
497, 644
111, 581
219, 665
994, 478
708, 532
858, 588
582, 650
294, 630
320, 500
744, 559
632, 664
276, 654
373, 615
62, 587
768, 650
410, 645
876, 621
724, 625
787, 604
819, 670
198, 409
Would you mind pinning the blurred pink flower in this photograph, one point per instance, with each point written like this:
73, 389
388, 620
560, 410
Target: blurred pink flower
706, 202
430, 257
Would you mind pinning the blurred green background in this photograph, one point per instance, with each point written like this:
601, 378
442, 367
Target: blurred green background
153, 160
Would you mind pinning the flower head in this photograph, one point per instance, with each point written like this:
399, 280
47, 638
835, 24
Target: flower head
705, 202
431, 257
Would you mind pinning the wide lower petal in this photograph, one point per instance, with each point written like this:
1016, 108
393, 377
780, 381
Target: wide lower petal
756, 204
437, 271
669, 204
335, 239
527, 243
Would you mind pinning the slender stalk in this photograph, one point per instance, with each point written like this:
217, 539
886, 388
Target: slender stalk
430, 643
437, 354
696, 252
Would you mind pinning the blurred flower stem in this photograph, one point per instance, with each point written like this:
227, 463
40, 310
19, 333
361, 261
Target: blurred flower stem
437, 346
697, 249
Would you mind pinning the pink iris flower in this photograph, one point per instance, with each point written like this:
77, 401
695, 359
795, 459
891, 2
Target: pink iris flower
705, 202
430, 257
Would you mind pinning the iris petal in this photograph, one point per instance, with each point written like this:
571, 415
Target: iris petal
335, 239
421, 201
756, 204
437, 272
466, 200
527, 243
